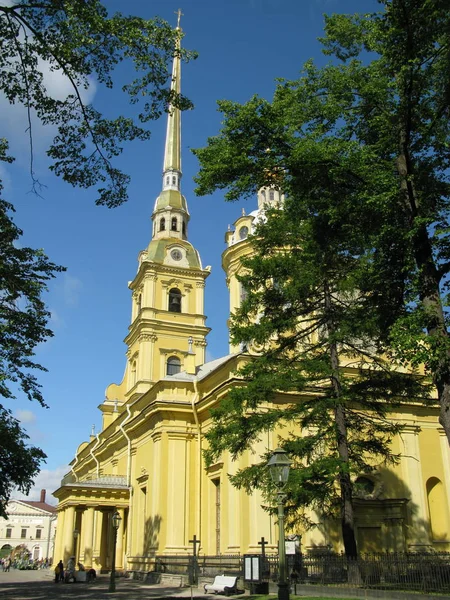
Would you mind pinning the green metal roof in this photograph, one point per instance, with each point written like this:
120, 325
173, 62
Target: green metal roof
156, 251
171, 198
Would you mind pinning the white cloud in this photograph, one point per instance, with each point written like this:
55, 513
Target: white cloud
59, 86
25, 416
56, 321
14, 118
72, 287
46, 480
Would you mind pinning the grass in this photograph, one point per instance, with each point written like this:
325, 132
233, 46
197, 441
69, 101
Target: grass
292, 597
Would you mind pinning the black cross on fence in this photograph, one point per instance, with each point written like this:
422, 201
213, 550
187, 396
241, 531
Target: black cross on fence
263, 545
193, 567
194, 542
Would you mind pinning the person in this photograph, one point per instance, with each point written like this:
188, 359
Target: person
7, 564
59, 572
70, 573
91, 575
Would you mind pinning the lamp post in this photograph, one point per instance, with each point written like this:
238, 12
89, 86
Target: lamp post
116, 524
76, 533
279, 465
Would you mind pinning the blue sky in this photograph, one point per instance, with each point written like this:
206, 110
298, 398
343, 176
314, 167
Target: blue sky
243, 46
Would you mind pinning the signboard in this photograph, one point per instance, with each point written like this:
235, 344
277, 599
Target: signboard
291, 547
252, 567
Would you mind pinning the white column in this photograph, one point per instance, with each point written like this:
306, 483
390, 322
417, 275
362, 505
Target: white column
119, 546
88, 535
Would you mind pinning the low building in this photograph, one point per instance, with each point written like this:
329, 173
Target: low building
31, 524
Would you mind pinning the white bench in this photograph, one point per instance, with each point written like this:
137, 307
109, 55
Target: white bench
222, 584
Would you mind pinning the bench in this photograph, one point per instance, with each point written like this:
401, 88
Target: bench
222, 584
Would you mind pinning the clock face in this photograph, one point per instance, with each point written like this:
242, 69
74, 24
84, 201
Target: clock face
176, 255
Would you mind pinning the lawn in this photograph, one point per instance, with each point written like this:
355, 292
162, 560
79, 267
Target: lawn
291, 597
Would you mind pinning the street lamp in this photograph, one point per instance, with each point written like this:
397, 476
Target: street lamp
76, 533
279, 465
116, 524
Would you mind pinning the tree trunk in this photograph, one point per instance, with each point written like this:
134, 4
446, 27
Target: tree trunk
347, 515
429, 286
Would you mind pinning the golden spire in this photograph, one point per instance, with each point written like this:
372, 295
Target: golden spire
172, 152
170, 214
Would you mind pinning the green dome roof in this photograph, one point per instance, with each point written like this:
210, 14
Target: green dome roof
157, 251
171, 198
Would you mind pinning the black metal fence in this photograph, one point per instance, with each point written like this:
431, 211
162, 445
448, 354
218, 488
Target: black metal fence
427, 573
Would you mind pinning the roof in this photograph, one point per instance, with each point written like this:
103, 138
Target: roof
41, 505
158, 249
172, 199
201, 371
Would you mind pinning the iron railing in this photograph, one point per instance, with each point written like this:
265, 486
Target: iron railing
419, 572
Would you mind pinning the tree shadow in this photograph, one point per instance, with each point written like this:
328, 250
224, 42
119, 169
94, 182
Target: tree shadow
150, 541
389, 519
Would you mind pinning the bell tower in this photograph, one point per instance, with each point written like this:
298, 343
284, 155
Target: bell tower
167, 333
239, 247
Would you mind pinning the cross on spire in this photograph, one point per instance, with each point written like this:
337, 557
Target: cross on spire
180, 14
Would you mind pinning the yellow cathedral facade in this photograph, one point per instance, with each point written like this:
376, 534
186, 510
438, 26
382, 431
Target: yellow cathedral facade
147, 462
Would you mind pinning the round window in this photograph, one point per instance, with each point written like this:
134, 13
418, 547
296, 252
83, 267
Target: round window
364, 485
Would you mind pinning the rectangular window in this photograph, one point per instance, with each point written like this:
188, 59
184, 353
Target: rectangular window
8, 533
38, 534
23, 533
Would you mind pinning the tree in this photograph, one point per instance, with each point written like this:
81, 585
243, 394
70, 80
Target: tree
81, 41
399, 107
334, 142
20, 463
308, 318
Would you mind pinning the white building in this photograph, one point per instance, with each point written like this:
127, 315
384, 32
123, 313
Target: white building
31, 524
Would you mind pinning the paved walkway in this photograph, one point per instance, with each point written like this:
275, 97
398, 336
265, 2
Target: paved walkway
39, 585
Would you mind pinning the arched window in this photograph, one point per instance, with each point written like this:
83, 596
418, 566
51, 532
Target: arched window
174, 180
243, 233
437, 506
175, 300
133, 373
167, 180
271, 195
174, 224
173, 365
162, 224
263, 194
184, 227
139, 303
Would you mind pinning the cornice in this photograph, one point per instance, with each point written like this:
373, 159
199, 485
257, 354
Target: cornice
156, 270
158, 326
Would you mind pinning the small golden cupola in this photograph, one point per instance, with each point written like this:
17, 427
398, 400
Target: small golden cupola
239, 247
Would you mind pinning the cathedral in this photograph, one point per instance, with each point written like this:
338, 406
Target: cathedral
147, 463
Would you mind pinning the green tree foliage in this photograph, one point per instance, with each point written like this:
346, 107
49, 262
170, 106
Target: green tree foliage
80, 40
359, 255
20, 461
